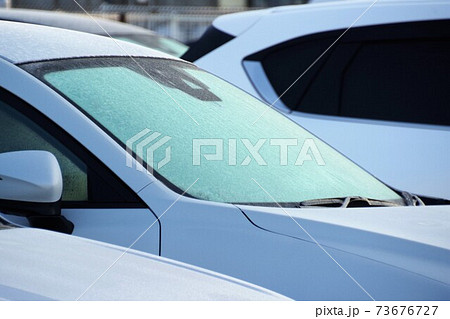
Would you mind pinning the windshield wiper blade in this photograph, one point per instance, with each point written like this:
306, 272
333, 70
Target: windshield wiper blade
349, 201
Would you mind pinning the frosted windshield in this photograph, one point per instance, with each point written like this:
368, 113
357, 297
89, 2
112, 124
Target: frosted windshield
198, 126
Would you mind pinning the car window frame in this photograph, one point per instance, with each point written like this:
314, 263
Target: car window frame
132, 200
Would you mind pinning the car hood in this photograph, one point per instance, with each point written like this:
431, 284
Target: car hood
416, 239
42, 265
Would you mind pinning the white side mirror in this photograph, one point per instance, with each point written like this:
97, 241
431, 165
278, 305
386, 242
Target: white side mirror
30, 176
31, 186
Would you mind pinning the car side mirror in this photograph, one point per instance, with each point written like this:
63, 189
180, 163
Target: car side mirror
31, 186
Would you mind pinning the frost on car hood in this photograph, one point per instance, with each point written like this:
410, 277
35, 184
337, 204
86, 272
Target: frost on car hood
43, 265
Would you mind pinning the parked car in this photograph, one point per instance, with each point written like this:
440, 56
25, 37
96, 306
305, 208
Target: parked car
320, 1
157, 153
42, 265
377, 92
96, 25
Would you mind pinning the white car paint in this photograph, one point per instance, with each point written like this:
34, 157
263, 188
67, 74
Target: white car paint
62, 45
22, 182
346, 234
369, 233
94, 25
226, 238
43, 265
406, 156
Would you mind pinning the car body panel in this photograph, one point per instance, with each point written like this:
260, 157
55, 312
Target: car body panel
405, 237
118, 226
218, 236
43, 265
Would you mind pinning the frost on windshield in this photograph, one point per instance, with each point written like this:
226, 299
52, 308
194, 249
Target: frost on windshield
179, 101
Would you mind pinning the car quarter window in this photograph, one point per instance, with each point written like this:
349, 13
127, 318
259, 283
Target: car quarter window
384, 72
84, 182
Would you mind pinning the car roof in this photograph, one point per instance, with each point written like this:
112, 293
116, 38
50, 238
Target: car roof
44, 265
237, 23
83, 23
351, 3
22, 42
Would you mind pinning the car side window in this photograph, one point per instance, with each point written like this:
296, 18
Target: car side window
394, 72
286, 63
20, 133
404, 81
86, 182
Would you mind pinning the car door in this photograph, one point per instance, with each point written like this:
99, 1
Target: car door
101, 206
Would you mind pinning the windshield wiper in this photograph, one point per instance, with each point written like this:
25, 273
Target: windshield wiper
353, 201
412, 200
349, 201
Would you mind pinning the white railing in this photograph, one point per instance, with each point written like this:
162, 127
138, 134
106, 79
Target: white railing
185, 28
185, 24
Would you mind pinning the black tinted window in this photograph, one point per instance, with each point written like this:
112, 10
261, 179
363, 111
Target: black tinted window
285, 64
399, 81
396, 72
209, 41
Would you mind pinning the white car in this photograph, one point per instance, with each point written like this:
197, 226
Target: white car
42, 265
377, 92
96, 25
268, 202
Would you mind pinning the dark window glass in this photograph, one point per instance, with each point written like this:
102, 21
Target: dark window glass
399, 81
395, 72
284, 65
209, 41
322, 95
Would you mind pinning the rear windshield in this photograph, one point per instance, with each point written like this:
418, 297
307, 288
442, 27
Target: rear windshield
166, 45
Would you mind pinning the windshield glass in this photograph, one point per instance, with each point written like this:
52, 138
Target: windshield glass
166, 45
187, 124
